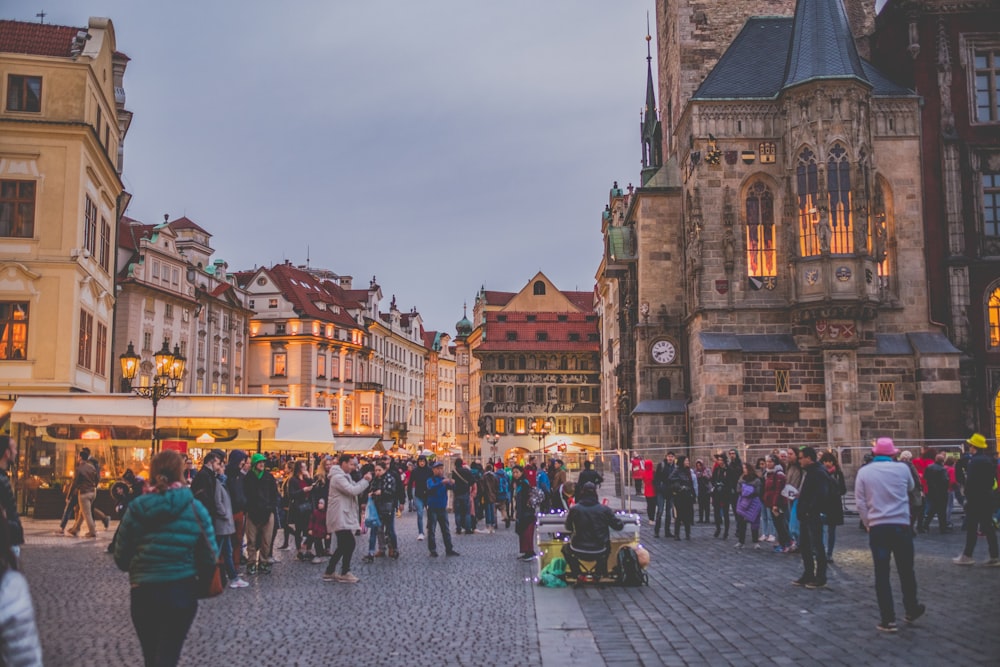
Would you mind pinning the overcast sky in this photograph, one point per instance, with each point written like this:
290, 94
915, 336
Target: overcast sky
439, 145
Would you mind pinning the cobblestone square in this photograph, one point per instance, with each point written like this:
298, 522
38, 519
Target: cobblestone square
707, 604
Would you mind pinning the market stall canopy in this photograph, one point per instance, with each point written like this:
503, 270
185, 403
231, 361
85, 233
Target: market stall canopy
193, 412
302, 430
358, 444
571, 447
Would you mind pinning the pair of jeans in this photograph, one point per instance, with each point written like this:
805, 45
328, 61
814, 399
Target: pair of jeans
162, 614
388, 520
462, 519
418, 506
85, 512
438, 517
767, 522
345, 549
979, 518
664, 509
236, 539
811, 547
893, 541
226, 553
793, 520
829, 538
490, 511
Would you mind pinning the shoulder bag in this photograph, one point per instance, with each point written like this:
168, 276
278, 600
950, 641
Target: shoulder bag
209, 577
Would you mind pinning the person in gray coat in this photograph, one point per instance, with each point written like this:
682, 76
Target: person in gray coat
225, 525
342, 516
19, 645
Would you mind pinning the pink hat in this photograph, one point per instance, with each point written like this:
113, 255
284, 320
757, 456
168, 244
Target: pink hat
884, 447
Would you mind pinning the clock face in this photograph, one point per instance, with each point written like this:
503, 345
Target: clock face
664, 352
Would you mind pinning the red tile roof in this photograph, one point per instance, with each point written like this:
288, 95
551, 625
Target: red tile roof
37, 39
185, 222
557, 332
303, 290
494, 298
130, 231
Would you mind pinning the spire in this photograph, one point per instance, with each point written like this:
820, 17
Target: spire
822, 45
652, 137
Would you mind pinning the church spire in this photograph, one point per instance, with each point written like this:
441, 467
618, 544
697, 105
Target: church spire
652, 137
822, 45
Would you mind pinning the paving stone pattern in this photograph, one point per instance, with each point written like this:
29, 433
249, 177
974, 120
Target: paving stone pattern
707, 604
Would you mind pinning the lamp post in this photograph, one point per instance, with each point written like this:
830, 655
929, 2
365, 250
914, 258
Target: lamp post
492, 439
539, 431
169, 371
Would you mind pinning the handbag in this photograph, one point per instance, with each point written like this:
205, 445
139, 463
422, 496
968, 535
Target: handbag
789, 492
208, 578
371, 514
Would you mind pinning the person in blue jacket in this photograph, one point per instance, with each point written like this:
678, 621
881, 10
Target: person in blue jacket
157, 544
437, 509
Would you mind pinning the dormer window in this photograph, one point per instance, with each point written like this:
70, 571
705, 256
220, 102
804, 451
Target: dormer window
511, 335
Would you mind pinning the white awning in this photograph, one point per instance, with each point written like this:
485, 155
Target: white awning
250, 413
302, 430
357, 444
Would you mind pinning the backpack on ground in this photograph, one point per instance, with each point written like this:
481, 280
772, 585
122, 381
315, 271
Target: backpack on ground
630, 573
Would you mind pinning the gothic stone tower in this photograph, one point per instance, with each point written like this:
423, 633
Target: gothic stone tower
791, 287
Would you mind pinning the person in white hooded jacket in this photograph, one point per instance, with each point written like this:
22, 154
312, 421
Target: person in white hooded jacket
342, 516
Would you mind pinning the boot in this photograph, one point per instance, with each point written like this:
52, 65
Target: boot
725, 535
718, 529
687, 532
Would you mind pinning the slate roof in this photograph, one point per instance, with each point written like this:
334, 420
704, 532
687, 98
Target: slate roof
755, 343
557, 333
37, 39
770, 53
185, 222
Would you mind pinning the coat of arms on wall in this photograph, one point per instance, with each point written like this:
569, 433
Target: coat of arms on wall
731, 157
811, 276
722, 286
836, 330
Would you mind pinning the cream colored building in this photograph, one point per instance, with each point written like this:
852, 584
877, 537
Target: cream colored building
62, 123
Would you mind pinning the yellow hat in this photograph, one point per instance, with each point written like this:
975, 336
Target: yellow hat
977, 440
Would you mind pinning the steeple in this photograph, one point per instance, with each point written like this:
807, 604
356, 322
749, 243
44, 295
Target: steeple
822, 46
652, 136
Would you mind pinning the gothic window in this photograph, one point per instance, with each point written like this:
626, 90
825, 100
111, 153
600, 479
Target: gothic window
806, 178
991, 204
539, 288
838, 184
760, 231
994, 317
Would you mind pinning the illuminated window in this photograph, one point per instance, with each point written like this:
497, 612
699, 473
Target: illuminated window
520, 426
278, 364
760, 231
838, 185
13, 330
321, 366
994, 316
807, 179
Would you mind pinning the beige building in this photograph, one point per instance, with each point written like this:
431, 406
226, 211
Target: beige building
398, 362
767, 278
171, 290
62, 124
439, 393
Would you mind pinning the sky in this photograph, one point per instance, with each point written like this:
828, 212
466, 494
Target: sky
438, 145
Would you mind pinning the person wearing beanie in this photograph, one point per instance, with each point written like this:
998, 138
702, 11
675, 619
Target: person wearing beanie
980, 483
236, 472
203, 484
262, 497
882, 494
590, 522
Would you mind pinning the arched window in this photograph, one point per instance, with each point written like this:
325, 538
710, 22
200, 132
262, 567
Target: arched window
663, 389
539, 288
994, 317
806, 179
838, 184
760, 231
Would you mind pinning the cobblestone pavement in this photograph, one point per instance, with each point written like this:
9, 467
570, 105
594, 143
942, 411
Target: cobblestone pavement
707, 604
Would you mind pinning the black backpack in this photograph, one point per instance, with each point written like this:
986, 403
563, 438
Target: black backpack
630, 573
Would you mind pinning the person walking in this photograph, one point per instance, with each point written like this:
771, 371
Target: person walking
383, 493
342, 516
8, 503
262, 497
980, 482
85, 486
882, 494
437, 510
810, 507
682, 492
417, 487
157, 545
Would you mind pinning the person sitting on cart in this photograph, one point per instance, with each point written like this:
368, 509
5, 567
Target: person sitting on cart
590, 522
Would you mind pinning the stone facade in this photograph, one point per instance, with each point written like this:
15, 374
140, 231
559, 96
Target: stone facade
777, 291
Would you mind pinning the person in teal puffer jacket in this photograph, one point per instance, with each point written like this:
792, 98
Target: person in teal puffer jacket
156, 544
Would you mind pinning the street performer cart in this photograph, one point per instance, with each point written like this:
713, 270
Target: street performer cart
551, 535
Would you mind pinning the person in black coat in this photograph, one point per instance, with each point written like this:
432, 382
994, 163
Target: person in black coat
834, 514
588, 474
203, 484
812, 505
590, 522
262, 499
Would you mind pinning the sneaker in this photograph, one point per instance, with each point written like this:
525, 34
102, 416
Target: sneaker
739, 545
802, 581
61, 532
420, 537
993, 562
915, 613
348, 578
886, 626
451, 553
252, 569
652, 523
527, 558
329, 577
265, 568
818, 582
91, 535
771, 538
368, 559
273, 559
107, 522
757, 547
318, 560
239, 582
963, 560
434, 554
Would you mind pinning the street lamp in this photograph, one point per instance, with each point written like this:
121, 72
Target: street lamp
539, 430
492, 439
169, 371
